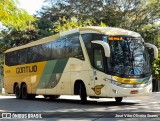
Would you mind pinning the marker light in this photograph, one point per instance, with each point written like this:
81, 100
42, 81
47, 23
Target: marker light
115, 38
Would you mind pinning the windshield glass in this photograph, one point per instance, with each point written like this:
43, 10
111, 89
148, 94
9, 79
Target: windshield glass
128, 56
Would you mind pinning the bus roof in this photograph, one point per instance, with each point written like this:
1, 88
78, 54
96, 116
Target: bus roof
111, 31
90, 29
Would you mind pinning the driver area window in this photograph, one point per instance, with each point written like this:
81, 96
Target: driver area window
98, 59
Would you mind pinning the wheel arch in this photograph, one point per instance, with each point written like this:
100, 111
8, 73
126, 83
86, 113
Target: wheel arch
77, 86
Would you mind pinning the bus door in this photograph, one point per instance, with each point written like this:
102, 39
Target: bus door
99, 65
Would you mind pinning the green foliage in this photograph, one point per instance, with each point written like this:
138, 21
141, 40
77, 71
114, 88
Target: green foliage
13, 17
151, 34
156, 68
19, 25
63, 24
44, 27
16, 38
130, 14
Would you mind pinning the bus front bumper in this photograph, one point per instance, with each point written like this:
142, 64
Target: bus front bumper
131, 90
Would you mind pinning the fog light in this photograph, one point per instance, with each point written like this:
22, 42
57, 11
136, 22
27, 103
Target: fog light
115, 91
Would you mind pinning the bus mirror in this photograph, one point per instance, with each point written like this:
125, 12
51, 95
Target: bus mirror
104, 45
154, 48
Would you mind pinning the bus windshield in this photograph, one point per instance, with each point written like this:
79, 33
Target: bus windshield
128, 56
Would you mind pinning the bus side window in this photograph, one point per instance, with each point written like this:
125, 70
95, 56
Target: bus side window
87, 38
11, 58
33, 54
58, 48
47, 51
98, 59
73, 47
22, 56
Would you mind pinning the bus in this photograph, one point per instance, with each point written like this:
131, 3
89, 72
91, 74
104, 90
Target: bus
95, 62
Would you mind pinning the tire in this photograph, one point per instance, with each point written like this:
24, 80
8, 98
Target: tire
82, 93
24, 92
118, 99
17, 91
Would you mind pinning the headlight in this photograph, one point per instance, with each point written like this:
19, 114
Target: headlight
114, 82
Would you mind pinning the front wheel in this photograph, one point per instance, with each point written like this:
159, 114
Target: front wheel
118, 99
83, 94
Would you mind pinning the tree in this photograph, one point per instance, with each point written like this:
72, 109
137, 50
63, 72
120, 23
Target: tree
19, 28
44, 27
18, 23
136, 15
156, 69
131, 14
81, 9
13, 17
64, 24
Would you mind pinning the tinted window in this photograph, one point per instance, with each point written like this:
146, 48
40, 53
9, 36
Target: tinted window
87, 38
47, 51
64, 47
98, 59
36, 54
73, 47
11, 58
58, 48
21, 56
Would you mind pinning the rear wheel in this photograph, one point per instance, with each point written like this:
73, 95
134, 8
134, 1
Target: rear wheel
118, 99
82, 93
17, 92
24, 91
25, 94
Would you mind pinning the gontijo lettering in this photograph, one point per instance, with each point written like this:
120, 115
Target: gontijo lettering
26, 69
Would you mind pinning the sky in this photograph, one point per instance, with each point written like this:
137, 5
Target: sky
31, 6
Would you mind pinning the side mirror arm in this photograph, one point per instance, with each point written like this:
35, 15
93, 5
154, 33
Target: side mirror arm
105, 46
154, 48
